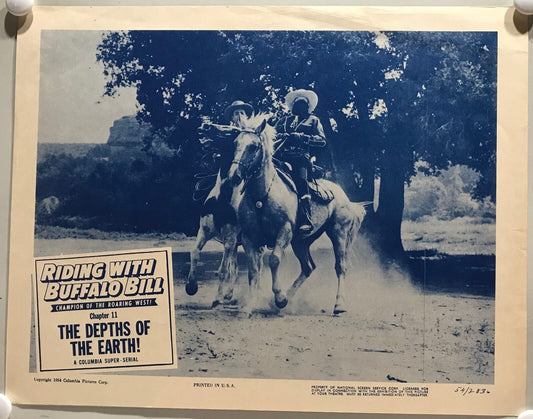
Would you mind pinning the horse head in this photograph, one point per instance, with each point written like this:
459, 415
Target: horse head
252, 146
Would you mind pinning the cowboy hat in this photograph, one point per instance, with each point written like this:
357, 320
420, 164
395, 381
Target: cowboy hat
238, 104
308, 95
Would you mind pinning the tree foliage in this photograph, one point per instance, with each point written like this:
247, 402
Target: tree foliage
386, 100
113, 189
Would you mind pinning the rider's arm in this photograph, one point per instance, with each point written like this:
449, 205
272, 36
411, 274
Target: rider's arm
280, 126
318, 139
219, 132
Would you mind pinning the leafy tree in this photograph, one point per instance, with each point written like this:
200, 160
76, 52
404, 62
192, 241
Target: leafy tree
386, 100
441, 108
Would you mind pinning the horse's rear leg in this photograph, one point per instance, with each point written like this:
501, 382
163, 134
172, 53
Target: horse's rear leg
227, 271
206, 232
307, 266
339, 239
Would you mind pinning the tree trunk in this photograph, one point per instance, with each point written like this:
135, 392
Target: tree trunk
366, 189
390, 211
383, 227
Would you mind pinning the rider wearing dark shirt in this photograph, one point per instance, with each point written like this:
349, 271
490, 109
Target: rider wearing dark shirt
297, 133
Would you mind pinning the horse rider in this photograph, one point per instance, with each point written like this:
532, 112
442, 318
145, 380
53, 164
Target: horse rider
220, 135
238, 113
218, 218
297, 133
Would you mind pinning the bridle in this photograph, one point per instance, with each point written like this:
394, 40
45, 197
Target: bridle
255, 164
254, 161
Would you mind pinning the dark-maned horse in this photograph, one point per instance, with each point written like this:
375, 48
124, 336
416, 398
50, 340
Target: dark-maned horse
267, 216
218, 220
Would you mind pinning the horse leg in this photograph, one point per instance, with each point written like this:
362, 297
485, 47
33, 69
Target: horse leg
233, 272
206, 232
282, 241
339, 239
307, 266
225, 271
254, 256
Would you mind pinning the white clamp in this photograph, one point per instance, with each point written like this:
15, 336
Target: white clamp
524, 6
19, 7
5, 407
526, 414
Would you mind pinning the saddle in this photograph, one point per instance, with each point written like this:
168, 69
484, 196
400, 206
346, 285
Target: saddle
203, 185
318, 188
215, 140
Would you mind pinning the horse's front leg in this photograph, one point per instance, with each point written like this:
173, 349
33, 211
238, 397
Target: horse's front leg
206, 232
227, 271
282, 241
233, 272
254, 254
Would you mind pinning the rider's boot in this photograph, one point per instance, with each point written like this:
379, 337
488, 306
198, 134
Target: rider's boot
304, 214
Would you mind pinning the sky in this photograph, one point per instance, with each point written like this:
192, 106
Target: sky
72, 105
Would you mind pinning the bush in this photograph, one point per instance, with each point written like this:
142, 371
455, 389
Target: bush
447, 196
117, 189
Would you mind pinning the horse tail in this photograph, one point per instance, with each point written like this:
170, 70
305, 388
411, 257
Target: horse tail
358, 214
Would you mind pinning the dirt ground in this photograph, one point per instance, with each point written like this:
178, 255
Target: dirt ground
392, 331
438, 342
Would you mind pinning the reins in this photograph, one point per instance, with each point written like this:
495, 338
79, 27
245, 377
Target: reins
256, 172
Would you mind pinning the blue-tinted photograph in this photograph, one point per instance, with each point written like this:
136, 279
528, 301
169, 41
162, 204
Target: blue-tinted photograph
329, 196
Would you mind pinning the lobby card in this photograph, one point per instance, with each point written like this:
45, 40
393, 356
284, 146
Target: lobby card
270, 208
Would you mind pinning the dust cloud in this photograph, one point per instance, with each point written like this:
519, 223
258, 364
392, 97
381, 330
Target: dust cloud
371, 289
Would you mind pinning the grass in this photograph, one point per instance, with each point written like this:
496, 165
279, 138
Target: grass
54, 232
461, 236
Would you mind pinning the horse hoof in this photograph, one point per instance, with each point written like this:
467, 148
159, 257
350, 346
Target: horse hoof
281, 303
338, 311
247, 311
230, 302
191, 288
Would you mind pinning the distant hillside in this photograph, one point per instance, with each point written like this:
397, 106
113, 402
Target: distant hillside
73, 149
126, 132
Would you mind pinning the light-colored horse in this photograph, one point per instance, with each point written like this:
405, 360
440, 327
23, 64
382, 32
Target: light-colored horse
267, 217
218, 221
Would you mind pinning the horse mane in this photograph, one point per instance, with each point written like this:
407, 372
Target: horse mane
268, 134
